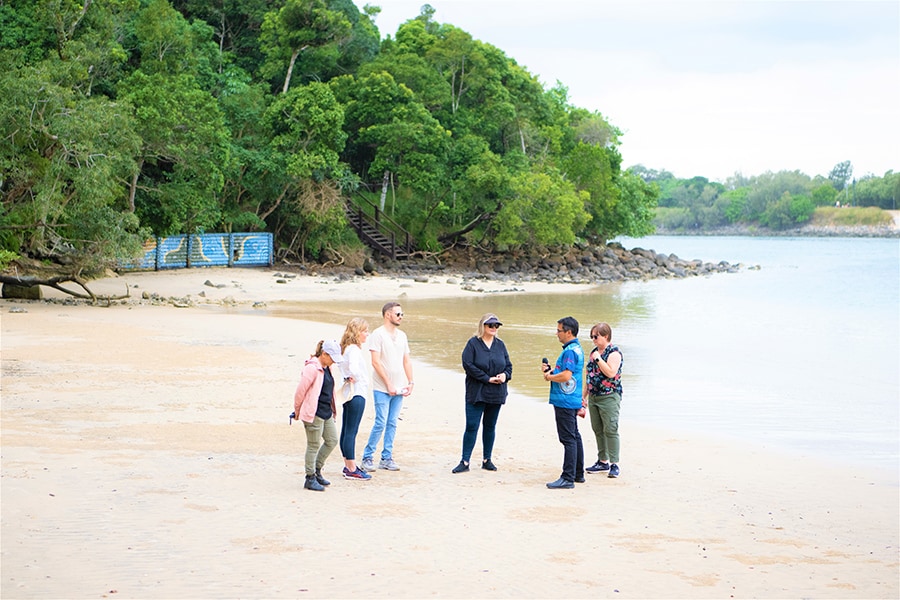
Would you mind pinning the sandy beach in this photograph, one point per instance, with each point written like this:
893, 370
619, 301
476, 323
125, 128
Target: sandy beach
146, 453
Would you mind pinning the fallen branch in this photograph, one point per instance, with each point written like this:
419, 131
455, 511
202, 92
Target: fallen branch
55, 283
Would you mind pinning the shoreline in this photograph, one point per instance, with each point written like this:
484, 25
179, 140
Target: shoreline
145, 454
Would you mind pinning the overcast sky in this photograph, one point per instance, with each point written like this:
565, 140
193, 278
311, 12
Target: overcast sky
709, 87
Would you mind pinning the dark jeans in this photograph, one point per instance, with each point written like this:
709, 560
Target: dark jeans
352, 415
476, 414
570, 438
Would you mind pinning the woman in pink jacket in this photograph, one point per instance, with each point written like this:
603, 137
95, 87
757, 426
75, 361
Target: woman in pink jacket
314, 406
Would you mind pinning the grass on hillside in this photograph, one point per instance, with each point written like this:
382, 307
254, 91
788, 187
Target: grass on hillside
825, 216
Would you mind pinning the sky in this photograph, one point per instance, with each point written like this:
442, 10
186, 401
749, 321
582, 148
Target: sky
709, 88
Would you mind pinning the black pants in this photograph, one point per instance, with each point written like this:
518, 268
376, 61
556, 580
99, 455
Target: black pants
570, 438
353, 412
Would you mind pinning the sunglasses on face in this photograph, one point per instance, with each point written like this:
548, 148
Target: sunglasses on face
492, 325
398, 314
594, 337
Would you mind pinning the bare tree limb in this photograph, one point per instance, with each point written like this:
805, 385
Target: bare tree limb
55, 283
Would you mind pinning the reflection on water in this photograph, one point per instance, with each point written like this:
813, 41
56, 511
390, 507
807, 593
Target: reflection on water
802, 353
439, 328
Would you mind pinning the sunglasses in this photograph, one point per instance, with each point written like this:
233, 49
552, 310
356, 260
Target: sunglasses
492, 325
398, 314
594, 337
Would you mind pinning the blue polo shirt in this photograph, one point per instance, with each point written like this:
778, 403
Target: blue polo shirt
568, 394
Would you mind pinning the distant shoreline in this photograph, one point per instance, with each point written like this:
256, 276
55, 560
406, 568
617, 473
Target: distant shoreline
856, 231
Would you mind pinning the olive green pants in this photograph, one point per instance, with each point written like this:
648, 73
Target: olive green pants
316, 451
604, 411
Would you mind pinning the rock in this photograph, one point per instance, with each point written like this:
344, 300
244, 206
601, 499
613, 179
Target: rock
22, 292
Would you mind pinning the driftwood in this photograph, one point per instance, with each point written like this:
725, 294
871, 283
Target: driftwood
55, 283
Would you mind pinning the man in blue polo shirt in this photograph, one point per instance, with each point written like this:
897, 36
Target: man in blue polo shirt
565, 396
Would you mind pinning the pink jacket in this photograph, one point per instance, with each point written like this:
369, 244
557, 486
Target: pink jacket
306, 398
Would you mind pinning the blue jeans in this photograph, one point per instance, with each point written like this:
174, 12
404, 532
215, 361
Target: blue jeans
475, 412
570, 438
387, 413
352, 415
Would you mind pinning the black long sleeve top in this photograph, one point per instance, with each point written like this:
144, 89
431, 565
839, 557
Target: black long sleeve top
480, 364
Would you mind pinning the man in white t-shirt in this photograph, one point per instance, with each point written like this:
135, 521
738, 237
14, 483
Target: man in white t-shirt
391, 381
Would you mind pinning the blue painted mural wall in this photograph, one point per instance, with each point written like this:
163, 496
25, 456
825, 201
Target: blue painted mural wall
206, 250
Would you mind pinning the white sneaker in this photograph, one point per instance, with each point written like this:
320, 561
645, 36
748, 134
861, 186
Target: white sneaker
368, 464
388, 464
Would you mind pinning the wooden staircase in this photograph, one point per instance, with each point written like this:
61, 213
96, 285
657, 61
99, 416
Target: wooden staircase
377, 230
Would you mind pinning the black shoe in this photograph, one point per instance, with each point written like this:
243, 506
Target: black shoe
320, 479
312, 484
462, 467
598, 467
579, 479
560, 484
487, 465
613, 471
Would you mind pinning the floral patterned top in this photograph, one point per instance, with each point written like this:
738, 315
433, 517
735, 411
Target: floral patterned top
598, 383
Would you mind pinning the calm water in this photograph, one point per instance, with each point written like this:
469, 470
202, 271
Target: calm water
802, 354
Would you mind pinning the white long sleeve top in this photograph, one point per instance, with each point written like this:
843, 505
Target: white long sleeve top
354, 366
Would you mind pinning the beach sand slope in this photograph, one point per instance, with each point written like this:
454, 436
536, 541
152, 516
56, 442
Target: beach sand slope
146, 453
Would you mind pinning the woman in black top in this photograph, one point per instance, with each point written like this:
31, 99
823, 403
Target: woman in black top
488, 369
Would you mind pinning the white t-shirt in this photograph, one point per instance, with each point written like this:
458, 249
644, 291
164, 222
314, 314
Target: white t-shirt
392, 349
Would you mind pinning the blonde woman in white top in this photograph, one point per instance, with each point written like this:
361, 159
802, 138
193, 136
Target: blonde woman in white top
356, 388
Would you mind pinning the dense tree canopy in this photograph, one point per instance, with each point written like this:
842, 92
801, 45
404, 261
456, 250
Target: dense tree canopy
124, 119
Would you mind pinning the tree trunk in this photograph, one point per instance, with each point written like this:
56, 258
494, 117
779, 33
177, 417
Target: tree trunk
133, 188
290, 71
384, 187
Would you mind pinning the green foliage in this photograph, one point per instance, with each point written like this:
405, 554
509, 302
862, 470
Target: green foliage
302, 34
184, 145
840, 175
543, 209
122, 118
882, 192
6, 257
306, 129
787, 212
777, 200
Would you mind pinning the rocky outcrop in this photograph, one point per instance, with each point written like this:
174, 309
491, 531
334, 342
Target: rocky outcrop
580, 264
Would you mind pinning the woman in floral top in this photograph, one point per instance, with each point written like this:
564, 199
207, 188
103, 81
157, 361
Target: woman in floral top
602, 396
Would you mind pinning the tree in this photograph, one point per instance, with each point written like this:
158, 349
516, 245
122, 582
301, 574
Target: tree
184, 146
298, 26
543, 209
840, 175
66, 160
307, 139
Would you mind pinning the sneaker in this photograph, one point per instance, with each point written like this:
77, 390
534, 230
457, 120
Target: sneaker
560, 484
356, 474
368, 464
462, 467
388, 464
613, 471
579, 479
487, 465
598, 467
